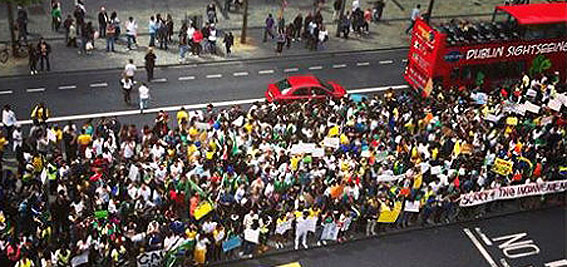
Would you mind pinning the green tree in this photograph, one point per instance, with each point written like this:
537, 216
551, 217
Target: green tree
10, 8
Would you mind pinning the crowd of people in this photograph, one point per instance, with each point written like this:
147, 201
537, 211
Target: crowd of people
206, 183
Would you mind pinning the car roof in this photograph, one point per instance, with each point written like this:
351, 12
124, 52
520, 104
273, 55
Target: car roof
303, 80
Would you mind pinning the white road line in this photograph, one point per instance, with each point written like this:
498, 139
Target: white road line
238, 74
386, 62
291, 70
484, 238
214, 76
67, 87
557, 263
194, 106
160, 80
480, 248
339, 66
316, 68
35, 90
266, 72
504, 262
6, 92
186, 78
360, 64
98, 85
404, 60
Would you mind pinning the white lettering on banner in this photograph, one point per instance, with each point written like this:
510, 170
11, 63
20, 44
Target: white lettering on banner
515, 51
151, 259
521, 249
512, 192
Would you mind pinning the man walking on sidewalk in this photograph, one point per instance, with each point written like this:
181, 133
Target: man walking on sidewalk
102, 21
150, 63
152, 30
268, 30
144, 95
414, 15
131, 32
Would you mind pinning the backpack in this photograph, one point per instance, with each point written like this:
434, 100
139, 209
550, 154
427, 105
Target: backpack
111, 29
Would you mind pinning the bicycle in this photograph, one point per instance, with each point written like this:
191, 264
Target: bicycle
21, 51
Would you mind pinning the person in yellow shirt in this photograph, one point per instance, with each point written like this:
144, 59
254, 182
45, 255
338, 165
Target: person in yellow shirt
182, 115
83, 140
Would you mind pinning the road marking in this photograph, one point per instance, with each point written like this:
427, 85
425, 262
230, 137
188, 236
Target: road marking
238, 74
266, 72
504, 262
186, 78
67, 87
557, 263
339, 66
386, 62
160, 80
194, 106
360, 64
484, 238
316, 68
404, 60
214, 76
6, 92
35, 90
291, 70
98, 85
480, 248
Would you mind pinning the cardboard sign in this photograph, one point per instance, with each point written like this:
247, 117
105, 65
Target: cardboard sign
231, 243
546, 120
252, 236
203, 209
318, 152
531, 93
151, 259
436, 170
533, 108
332, 142
283, 227
330, 232
554, 104
502, 167
412, 206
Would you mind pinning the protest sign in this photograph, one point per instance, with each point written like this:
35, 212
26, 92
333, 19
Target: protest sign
318, 152
480, 98
332, 142
365, 154
252, 236
311, 224
381, 156
231, 243
512, 192
546, 120
512, 121
330, 231
533, 108
202, 126
467, 149
389, 177
562, 98
101, 214
554, 104
390, 215
283, 227
502, 167
203, 209
412, 206
80, 259
531, 93
436, 170
519, 109
151, 259
492, 118
302, 225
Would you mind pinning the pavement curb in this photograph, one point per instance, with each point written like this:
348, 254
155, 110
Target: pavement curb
217, 62
383, 234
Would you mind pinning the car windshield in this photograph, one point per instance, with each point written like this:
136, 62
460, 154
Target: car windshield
326, 85
283, 86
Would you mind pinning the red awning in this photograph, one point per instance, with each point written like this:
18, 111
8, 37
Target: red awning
537, 13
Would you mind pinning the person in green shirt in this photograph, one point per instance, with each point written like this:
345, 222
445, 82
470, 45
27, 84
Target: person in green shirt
56, 16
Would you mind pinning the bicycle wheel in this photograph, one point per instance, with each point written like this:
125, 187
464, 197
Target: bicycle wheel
4, 56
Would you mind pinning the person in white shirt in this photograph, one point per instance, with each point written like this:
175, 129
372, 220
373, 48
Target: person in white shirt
144, 94
414, 14
9, 120
131, 32
130, 69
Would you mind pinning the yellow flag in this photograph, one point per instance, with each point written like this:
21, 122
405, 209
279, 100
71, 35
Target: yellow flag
388, 215
203, 209
418, 180
333, 131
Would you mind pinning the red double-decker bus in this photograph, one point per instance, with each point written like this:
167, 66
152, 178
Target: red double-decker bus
530, 38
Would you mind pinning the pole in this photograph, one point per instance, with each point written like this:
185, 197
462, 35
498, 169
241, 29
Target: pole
244, 23
429, 10
11, 26
341, 15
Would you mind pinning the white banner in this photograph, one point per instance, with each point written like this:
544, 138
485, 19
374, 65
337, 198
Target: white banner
283, 227
80, 259
151, 259
512, 192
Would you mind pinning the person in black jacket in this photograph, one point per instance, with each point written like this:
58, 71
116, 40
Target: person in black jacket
102, 21
150, 63
43, 50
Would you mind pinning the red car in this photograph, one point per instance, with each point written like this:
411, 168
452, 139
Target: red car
303, 87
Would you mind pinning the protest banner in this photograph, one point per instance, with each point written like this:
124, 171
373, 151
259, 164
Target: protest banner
332, 142
512, 192
562, 98
389, 177
479, 98
151, 259
202, 126
252, 236
283, 227
492, 118
390, 215
101, 214
554, 104
412, 206
330, 232
203, 209
531, 93
311, 224
533, 108
546, 120
80, 259
318, 152
231, 243
502, 167
436, 170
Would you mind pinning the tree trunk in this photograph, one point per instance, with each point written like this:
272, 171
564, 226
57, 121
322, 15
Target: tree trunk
11, 26
244, 23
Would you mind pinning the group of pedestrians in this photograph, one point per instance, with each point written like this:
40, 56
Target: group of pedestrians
207, 183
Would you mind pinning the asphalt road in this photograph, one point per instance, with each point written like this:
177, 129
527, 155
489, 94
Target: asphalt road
449, 246
90, 92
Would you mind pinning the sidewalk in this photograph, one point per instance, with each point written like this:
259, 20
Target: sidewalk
382, 35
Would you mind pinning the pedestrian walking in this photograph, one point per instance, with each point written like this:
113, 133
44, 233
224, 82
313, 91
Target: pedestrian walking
337, 9
345, 25
228, 43
72, 35
22, 23
8, 120
56, 17
297, 26
212, 13
79, 14
85, 36
162, 32
212, 39
103, 21
127, 85
280, 42
183, 42
130, 69
40, 114
152, 30
414, 14
169, 24
150, 63
67, 24
268, 28
131, 32
44, 49
289, 33
197, 39
144, 95
32, 59
112, 33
